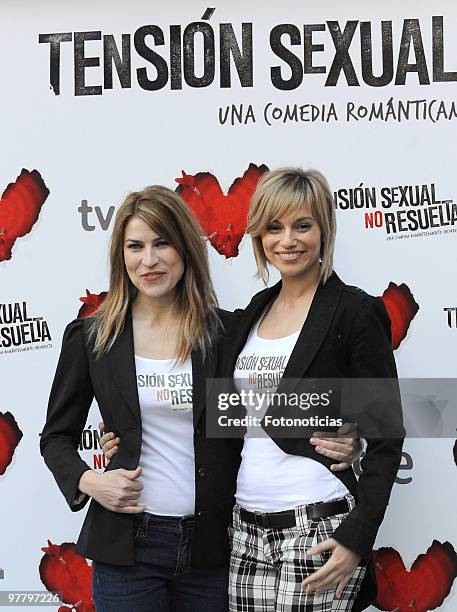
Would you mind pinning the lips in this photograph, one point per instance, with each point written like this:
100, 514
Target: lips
152, 276
290, 256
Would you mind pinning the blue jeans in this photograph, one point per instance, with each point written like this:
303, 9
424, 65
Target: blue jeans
161, 580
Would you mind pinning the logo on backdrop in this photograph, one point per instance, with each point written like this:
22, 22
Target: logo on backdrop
20, 332
10, 436
401, 211
451, 316
87, 219
20, 207
205, 53
424, 587
65, 572
173, 57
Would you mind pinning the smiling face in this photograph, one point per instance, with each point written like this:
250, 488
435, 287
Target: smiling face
292, 243
153, 265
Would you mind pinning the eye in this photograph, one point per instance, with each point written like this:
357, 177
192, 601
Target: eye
162, 243
273, 227
304, 225
134, 245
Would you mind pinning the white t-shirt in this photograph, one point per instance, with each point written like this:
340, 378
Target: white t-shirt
270, 480
167, 449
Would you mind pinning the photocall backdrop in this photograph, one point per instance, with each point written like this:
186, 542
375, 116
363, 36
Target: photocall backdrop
99, 99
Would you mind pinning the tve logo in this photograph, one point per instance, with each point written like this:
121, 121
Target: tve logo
102, 221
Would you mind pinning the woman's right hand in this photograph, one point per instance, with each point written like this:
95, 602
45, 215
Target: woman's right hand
116, 490
108, 442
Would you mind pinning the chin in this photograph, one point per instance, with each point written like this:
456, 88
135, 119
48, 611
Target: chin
153, 292
288, 272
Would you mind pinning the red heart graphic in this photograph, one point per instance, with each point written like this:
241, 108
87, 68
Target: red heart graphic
402, 309
10, 436
222, 217
20, 206
91, 302
65, 572
424, 587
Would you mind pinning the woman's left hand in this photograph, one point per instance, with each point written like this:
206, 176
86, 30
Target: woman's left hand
336, 572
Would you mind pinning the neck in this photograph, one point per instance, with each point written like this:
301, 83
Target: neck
299, 288
155, 311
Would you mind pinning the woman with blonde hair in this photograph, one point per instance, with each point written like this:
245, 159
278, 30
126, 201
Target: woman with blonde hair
157, 533
302, 534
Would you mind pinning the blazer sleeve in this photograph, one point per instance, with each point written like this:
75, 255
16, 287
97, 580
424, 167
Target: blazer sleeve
69, 402
371, 357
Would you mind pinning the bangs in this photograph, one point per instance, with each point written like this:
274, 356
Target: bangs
162, 222
279, 201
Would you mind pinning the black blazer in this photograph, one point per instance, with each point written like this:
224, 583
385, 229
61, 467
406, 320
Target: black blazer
108, 536
347, 334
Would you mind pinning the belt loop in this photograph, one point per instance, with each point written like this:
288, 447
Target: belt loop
141, 524
351, 501
146, 517
301, 517
236, 516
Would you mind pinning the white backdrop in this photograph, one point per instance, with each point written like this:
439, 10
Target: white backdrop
99, 147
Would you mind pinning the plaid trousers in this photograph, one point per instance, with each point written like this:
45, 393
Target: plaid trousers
267, 566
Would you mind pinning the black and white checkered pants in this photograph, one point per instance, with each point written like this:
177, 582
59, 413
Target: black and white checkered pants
268, 565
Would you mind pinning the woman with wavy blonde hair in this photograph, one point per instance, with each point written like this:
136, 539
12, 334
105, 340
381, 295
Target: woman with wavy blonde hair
157, 533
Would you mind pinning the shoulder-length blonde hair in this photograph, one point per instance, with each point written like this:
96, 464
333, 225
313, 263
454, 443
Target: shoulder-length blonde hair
283, 191
195, 306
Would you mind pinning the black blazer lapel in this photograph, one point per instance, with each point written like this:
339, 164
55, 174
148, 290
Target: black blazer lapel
121, 358
315, 328
201, 372
246, 320
312, 334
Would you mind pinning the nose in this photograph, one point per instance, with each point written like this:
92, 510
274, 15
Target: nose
149, 258
288, 238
